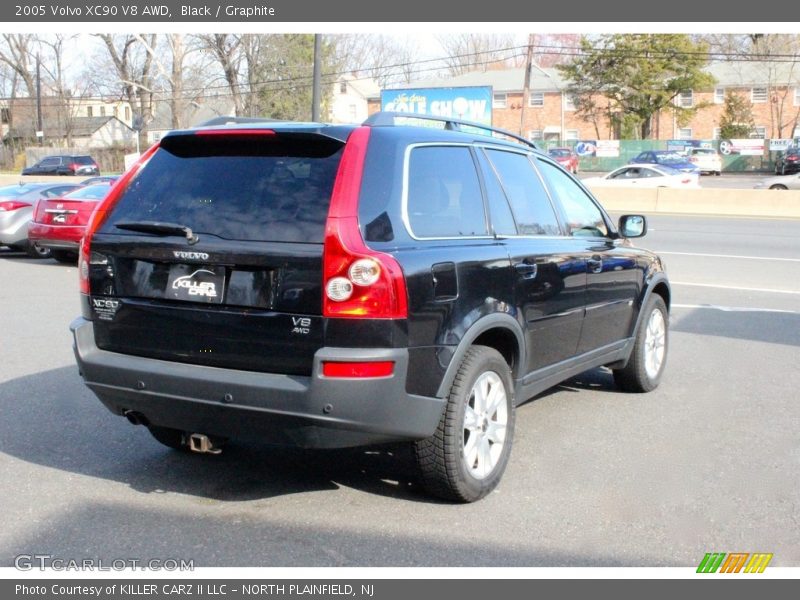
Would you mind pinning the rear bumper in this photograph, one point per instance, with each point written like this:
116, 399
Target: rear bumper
310, 412
58, 237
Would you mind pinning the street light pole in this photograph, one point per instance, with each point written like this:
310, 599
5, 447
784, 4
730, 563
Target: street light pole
561, 135
315, 93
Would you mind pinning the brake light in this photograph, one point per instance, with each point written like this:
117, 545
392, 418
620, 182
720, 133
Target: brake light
694, 159
358, 282
791, 157
235, 132
357, 369
10, 205
687, 180
101, 213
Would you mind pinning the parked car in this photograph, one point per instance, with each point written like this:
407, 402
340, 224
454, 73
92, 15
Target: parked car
347, 285
788, 161
102, 179
58, 224
64, 165
791, 182
16, 211
666, 158
707, 160
645, 176
566, 158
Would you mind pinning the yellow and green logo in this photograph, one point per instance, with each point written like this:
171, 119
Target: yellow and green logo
734, 562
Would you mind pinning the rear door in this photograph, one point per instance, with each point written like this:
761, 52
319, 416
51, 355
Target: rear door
549, 271
243, 289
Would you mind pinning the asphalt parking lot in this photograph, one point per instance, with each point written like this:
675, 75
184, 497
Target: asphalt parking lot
709, 462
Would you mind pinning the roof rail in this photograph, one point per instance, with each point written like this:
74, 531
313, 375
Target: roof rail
387, 119
223, 120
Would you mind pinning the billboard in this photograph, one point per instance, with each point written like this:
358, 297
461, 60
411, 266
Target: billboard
467, 103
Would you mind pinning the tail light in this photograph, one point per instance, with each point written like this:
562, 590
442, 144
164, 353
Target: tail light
101, 213
10, 205
687, 180
358, 282
694, 159
38, 211
791, 157
74, 167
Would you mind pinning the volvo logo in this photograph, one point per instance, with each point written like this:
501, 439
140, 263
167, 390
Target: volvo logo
190, 255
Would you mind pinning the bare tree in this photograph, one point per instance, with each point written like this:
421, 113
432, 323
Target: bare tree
17, 52
227, 51
133, 66
383, 58
53, 64
478, 51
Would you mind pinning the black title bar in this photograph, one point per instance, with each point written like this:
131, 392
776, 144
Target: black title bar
362, 11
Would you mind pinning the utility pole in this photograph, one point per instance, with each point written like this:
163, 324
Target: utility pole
39, 127
526, 87
315, 94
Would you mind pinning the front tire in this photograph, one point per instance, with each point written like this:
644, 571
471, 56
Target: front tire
465, 458
778, 186
646, 364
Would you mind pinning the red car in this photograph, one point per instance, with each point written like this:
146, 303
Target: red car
566, 158
59, 223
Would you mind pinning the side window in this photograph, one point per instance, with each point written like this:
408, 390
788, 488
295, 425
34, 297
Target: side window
444, 193
583, 216
532, 209
499, 211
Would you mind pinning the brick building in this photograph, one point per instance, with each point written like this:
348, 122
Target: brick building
772, 88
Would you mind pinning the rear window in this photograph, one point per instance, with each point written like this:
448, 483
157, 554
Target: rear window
559, 153
83, 160
257, 188
90, 192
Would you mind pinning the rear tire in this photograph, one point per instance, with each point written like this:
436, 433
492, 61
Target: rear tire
646, 364
172, 438
778, 186
466, 457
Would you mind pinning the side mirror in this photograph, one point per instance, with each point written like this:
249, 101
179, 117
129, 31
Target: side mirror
632, 226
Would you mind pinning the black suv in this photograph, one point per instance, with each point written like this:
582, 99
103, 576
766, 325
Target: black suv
64, 165
330, 286
788, 161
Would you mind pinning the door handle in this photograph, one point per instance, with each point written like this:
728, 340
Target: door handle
595, 264
526, 270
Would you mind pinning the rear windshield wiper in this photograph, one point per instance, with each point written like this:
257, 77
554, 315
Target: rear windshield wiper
159, 228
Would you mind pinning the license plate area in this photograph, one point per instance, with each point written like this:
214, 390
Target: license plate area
196, 283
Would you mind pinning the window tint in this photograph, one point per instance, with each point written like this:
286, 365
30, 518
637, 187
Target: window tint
444, 194
499, 211
236, 188
583, 216
532, 209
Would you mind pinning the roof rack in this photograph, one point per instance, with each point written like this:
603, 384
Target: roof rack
387, 119
223, 120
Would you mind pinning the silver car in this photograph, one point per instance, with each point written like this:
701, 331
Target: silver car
784, 182
17, 203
